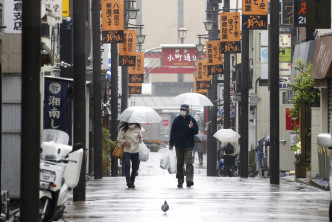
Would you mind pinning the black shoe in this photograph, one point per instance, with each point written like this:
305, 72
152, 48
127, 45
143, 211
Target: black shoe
129, 185
180, 185
132, 185
189, 184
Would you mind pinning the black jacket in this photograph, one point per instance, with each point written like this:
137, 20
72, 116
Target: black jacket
181, 135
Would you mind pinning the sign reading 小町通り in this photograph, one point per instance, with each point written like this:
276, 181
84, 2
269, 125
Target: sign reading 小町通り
214, 59
65, 8
178, 56
300, 13
12, 16
55, 103
230, 33
139, 67
112, 15
127, 49
56, 8
254, 14
134, 88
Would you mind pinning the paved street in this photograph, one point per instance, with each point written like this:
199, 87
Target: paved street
210, 199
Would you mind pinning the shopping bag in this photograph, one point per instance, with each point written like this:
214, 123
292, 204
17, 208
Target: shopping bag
143, 152
164, 161
118, 151
172, 162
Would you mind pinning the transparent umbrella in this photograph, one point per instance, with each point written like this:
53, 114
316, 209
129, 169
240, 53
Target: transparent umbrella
227, 136
192, 99
139, 114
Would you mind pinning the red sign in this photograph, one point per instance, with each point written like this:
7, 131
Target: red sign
291, 124
165, 122
179, 56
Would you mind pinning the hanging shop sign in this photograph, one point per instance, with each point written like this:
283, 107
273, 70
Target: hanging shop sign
300, 13
56, 8
173, 56
65, 8
285, 54
55, 105
199, 84
287, 12
127, 49
112, 15
12, 16
230, 33
134, 88
214, 58
139, 67
136, 78
202, 71
254, 15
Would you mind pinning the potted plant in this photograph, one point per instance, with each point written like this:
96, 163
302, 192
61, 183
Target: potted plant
107, 145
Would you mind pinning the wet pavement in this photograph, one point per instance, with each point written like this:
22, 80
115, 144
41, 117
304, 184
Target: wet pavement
210, 199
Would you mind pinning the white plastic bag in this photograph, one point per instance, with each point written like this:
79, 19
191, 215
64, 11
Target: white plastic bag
143, 152
172, 161
164, 161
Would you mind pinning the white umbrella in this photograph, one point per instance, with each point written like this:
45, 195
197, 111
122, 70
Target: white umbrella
139, 114
192, 99
227, 136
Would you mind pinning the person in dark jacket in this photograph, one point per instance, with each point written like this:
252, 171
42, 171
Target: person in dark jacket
184, 128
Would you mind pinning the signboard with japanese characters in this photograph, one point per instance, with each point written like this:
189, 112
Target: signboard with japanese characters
230, 32
112, 14
254, 14
300, 13
214, 58
56, 8
13, 16
199, 84
134, 88
65, 8
178, 56
285, 54
201, 91
55, 105
136, 78
139, 67
287, 12
127, 49
202, 71
285, 40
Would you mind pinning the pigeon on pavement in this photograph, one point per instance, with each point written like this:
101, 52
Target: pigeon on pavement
165, 207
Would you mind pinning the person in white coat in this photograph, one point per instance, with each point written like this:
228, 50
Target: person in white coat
130, 137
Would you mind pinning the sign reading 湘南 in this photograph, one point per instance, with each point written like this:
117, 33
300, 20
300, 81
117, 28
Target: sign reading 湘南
254, 15
214, 58
127, 49
178, 56
230, 33
112, 15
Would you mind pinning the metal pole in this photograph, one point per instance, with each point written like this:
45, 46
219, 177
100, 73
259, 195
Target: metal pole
274, 90
124, 96
97, 121
212, 142
79, 16
227, 121
244, 103
30, 142
114, 104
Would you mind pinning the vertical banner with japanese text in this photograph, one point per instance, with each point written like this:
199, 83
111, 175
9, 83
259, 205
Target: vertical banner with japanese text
287, 12
230, 32
202, 79
214, 58
254, 14
136, 73
65, 8
127, 49
55, 102
12, 16
112, 15
300, 13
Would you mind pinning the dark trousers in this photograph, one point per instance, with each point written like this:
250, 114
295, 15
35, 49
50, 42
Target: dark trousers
184, 156
133, 157
229, 163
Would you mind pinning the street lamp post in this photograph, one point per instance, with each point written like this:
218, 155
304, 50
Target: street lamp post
182, 34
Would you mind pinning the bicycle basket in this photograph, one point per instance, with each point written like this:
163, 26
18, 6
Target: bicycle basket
52, 173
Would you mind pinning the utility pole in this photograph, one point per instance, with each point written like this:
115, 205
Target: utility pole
244, 103
212, 6
97, 122
124, 96
227, 102
114, 104
30, 142
274, 89
79, 15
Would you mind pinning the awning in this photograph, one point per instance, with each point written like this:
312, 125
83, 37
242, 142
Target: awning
321, 65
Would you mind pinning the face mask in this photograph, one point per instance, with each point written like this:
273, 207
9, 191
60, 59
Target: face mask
132, 126
183, 113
